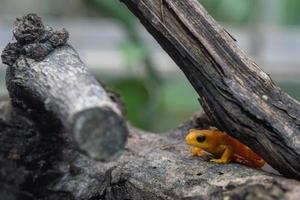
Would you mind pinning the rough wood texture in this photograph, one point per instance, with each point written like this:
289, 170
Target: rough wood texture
46, 77
39, 161
39, 165
236, 94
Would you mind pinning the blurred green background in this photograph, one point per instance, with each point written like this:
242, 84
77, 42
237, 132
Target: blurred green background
121, 54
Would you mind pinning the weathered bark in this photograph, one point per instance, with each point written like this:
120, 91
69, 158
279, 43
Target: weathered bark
39, 161
47, 78
236, 94
35, 165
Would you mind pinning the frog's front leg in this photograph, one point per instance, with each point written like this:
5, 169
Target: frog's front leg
197, 151
226, 156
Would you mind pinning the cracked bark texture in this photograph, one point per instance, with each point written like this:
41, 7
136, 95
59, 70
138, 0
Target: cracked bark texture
37, 165
237, 96
46, 77
39, 160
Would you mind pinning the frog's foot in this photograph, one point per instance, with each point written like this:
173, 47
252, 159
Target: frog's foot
196, 151
220, 161
239, 159
226, 156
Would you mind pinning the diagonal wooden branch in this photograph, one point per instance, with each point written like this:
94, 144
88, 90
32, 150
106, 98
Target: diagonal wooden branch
236, 94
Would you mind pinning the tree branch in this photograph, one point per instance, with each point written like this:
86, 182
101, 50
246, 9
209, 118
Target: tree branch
236, 94
46, 78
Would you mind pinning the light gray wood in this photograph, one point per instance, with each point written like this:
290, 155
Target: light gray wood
151, 167
46, 77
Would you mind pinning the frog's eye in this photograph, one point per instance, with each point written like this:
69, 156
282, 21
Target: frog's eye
200, 138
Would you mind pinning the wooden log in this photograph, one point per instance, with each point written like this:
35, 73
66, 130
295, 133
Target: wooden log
46, 77
39, 166
236, 94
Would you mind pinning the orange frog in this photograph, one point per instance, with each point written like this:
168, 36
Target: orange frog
223, 147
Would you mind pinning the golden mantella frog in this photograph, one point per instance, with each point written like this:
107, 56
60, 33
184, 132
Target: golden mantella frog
223, 147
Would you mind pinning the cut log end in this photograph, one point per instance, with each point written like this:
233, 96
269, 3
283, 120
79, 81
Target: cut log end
100, 133
47, 79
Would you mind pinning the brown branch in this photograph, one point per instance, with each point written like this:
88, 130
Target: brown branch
236, 94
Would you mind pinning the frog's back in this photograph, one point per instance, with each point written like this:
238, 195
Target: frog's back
243, 154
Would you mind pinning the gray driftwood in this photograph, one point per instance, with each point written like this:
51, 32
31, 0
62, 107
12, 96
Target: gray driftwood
37, 165
46, 77
235, 93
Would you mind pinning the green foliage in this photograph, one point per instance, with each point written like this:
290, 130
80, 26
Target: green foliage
290, 10
132, 52
180, 93
140, 95
136, 97
230, 11
116, 10
156, 110
291, 87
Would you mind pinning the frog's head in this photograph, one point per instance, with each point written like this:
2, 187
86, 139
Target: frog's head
200, 138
